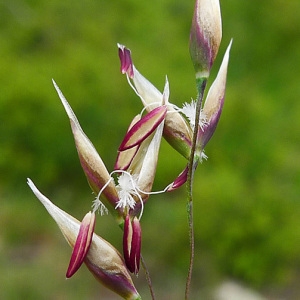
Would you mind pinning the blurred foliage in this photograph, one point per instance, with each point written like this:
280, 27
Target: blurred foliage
246, 195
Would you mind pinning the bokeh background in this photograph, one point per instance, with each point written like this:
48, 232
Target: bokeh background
247, 211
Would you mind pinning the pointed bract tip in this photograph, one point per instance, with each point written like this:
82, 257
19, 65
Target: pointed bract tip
66, 104
166, 92
82, 243
214, 102
92, 164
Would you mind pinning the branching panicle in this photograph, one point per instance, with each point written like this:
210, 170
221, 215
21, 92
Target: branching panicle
124, 191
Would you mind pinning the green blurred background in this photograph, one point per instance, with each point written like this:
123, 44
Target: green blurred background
247, 211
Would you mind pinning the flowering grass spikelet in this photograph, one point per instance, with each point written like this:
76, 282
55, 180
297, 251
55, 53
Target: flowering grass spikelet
176, 131
101, 258
205, 36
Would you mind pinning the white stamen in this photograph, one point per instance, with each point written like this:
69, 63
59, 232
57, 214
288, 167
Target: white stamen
203, 122
97, 203
126, 190
189, 110
203, 156
135, 90
155, 192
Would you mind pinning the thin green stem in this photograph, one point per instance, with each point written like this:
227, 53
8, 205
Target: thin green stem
148, 278
193, 161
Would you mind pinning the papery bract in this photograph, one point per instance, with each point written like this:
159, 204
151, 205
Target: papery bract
214, 102
92, 164
132, 243
142, 162
102, 259
125, 157
143, 128
205, 36
176, 130
82, 244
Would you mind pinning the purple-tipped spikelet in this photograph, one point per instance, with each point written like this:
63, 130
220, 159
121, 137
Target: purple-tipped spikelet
176, 129
205, 35
101, 258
